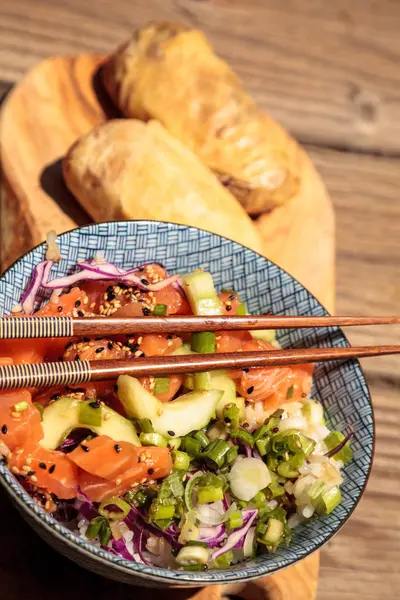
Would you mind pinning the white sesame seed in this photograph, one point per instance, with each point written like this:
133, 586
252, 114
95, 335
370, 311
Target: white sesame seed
33, 478
118, 481
15, 470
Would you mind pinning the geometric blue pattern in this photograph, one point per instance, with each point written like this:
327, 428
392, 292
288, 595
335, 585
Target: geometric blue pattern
340, 387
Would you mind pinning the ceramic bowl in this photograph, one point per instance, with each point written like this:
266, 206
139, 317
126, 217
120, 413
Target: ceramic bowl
340, 387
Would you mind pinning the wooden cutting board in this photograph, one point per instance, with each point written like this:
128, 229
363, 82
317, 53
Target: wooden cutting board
57, 102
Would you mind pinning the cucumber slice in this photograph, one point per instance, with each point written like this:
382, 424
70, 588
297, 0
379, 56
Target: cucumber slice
200, 292
221, 381
189, 412
313, 412
62, 416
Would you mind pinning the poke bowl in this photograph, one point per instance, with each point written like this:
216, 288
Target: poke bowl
208, 517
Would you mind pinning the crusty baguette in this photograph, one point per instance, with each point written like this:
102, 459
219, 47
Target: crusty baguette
170, 73
127, 169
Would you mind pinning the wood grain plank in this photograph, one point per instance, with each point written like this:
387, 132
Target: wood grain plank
327, 70
364, 191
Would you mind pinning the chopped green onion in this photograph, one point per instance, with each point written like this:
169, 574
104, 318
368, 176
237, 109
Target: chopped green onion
224, 560
197, 543
193, 555
145, 425
104, 533
174, 484
202, 381
297, 460
259, 500
93, 528
215, 455
274, 532
89, 415
163, 523
217, 431
286, 470
159, 511
289, 392
211, 479
138, 499
202, 438
161, 385
262, 446
307, 444
21, 406
242, 434
203, 342
328, 501
333, 440
153, 439
275, 487
232, 454
123, 506
191, 446
231, 415
208, 494
40, 409
190, 486
235, 520
174, 443
181, 460
160, 310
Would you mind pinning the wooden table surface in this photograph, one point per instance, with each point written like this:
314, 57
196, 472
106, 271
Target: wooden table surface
329, 71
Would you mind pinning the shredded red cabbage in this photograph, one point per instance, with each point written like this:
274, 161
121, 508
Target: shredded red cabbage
88, 270
236, 539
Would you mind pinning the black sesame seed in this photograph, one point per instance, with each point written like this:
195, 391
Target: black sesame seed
68, 346
228, 307
150, 471
110, 296
146, 311
77, 357
55, 397
117, 448
77, 303
171, 433
59, 308
304, 395
42, 465
245, 370
100, 349
43, 499
134, 347
110, 288
30, 473
86, 339
169, 337
4, 429
250, 390
81, 313
110, 345
115, 388
98, 339
245, 425
85, 448
144, 281
52, 469
95, 404
232, 297
275, 429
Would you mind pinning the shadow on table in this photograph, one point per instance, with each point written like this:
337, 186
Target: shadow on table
29, 568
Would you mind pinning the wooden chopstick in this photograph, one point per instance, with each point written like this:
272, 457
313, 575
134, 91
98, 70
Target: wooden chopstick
43, 327
78, 372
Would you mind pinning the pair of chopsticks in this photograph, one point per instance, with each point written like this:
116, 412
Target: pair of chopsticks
78, 372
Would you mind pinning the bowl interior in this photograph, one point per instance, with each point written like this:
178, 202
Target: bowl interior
265, 287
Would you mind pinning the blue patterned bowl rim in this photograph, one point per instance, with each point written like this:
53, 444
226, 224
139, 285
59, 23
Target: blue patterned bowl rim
309, 537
